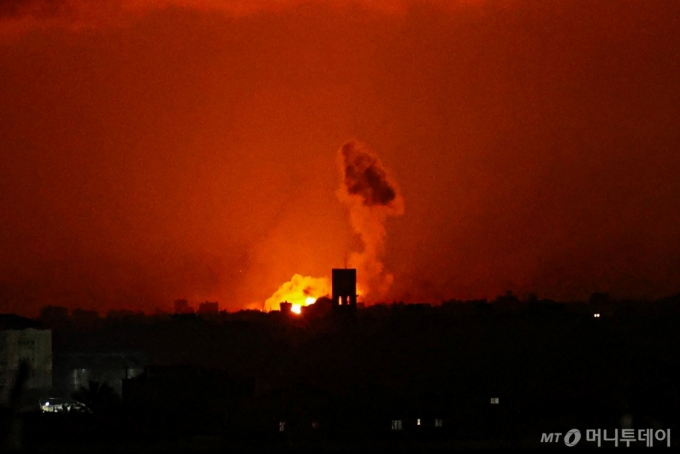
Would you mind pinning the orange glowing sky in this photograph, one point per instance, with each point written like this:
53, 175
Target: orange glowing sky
187, 148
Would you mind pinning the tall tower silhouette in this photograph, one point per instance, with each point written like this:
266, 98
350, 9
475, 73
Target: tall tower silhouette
344, 282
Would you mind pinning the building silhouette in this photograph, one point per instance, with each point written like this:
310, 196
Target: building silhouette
209, 307
182, 307
24, 341
344, 282
285, 307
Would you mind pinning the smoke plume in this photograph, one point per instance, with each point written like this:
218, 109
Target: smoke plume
371, 195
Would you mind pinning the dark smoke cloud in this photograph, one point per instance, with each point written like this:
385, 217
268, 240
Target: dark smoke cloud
364, 176
371, 195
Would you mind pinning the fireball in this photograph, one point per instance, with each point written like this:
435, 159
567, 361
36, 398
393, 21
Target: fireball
297, 308
299, 291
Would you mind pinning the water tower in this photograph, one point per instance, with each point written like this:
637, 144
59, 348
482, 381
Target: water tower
344, 282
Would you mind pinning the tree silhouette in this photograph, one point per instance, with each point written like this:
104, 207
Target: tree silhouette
100, 397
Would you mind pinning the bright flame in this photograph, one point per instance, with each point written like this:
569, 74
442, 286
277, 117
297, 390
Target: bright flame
299, 291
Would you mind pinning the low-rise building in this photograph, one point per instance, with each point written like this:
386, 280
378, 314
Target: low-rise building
23, 340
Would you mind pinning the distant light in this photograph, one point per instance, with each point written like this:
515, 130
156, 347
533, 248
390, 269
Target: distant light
418, 423
310, 300
495, 400
47, 404
596, 315
296, 308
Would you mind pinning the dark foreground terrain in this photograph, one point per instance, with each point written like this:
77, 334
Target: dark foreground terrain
390, 377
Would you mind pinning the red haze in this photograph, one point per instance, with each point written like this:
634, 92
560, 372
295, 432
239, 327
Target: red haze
188, 151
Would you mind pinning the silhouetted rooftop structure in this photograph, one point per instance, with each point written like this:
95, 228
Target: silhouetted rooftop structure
321, 307
285, 307
344, 282
11, 322
182, 307
209, 307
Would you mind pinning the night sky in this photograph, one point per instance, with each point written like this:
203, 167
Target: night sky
189, 149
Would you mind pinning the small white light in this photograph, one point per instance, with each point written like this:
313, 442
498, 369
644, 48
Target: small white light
47, 404
596, 315
418, 423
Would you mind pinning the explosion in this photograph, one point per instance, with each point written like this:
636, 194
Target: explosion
371, 195
297, 308
299, 291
